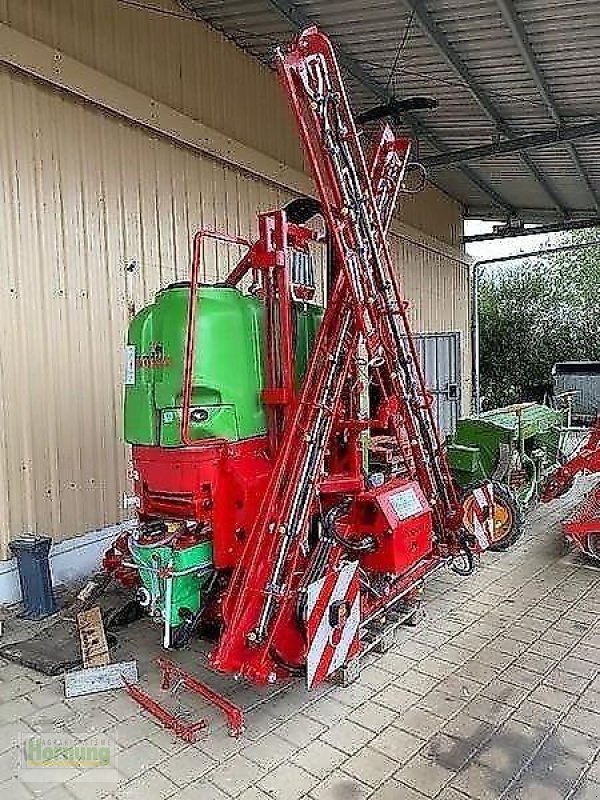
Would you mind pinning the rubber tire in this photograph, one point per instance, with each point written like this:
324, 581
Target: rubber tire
514, 533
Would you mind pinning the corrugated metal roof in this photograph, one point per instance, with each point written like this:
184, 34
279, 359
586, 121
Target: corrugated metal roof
468, 55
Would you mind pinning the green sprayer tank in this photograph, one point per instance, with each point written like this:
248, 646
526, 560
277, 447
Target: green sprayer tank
227, 376
227, 382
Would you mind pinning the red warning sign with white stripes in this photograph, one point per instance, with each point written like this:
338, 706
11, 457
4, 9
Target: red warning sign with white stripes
333, 622
478, 515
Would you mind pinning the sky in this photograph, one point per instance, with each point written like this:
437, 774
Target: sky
503, 247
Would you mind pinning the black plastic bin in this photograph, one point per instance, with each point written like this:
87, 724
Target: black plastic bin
34, 576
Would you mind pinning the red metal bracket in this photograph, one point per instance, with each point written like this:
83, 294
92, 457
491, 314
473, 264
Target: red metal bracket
186, 731
171, 671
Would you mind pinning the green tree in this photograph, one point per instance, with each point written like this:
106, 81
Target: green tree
535, 313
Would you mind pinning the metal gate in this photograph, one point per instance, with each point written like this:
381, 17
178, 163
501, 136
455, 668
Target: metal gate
441, 359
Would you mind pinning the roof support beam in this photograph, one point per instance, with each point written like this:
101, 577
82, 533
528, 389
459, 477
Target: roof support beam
299, 21
508, 232
440, 40
517, 29
518, 144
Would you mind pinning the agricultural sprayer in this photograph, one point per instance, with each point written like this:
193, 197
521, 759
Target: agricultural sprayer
293, 489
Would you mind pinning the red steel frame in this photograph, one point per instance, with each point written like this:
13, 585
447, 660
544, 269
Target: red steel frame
261, 637
310, 462
583, 527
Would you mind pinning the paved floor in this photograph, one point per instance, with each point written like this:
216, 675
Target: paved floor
495, 696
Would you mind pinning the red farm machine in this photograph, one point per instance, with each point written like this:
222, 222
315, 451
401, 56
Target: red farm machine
293, 489
583, 526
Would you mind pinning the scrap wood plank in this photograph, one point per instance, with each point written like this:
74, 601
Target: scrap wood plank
94, 647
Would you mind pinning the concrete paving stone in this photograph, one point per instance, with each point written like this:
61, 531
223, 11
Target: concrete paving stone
340, 785
397, 744
288, 782
504, 692
394, 790
488, 710
589, 700
479, 782
520, 677
353, 695
9, 764
494, 658
370, 766
581, 745
425, 775
453, 654
581, 719
539, 618
468, 640
59, 792
566, 681
374, 677
509, 646
533, 662
236, 774
253, 793
537, 715
12, 734
437, 669
347, 736
185, 766
259, 722
319, 758
419, 722
586, 653
373, 716
475, 671
552, 767
13, 789
459, 686
18, 686
203, 790
553, 698
327, 710
85, 787
396, 697
21, 708
463, 726
300, 729
416, 650
150, 786
430, 636
452, 753
549, 648
523, 634
418, 682
589, 790
219, 745
139, 758
130, 731
269, 751
558, 638
511, 748
394, 663
442, 703
451, 794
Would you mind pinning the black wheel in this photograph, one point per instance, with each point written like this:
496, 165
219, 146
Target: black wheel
508, 519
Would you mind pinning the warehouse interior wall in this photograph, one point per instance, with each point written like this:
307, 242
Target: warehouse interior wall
97, 209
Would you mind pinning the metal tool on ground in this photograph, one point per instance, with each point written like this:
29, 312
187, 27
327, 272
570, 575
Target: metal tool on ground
174, 678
